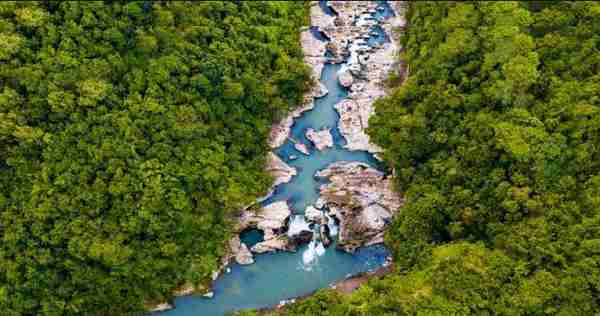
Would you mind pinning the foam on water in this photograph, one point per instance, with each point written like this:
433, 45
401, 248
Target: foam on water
333, 227
310, 256
297, 225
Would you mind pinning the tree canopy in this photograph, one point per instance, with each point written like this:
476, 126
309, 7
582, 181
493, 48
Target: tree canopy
128, 132
495, 140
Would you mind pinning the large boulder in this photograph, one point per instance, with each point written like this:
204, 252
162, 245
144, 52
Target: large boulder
279, 243
345, 78
304, 237
321, 139
299, 230
240, 251
321, 91
312, 46
362, 198
320, 19
272, 220
314, 215
354, 119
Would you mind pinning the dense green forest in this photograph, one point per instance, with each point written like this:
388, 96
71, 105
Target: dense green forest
128, 132
495, 139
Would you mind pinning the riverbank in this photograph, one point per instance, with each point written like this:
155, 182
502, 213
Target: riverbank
345, 286
322, 161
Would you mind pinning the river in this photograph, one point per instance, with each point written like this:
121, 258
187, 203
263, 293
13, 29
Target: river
282, 275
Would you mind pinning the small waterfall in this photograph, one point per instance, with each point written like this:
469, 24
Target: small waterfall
333, 228
320, 249
297, 225
314, 250
311, 254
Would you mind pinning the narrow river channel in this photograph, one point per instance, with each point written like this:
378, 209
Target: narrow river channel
282, 275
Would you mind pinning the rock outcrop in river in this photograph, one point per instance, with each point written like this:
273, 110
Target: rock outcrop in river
240, 251
357, 195
321, 139
363, 200
366, 66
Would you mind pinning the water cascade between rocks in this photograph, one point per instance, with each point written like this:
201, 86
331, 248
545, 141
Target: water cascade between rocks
324, 219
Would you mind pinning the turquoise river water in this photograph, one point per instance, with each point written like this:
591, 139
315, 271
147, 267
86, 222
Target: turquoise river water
278, 276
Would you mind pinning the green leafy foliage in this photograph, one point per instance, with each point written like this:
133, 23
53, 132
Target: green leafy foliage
496, 144
129, 131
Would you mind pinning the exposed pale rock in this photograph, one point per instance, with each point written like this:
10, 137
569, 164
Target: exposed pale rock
375, 216
240, 251
313, 215
345, 78
272, 219
366, 67
354, 119
399, 20
357, 87
279, 132
302, 148
279, 169
321, 139
210, 294
349, 40
320, 19
280, 243
312, 46
362, 198
316, 64
160, 307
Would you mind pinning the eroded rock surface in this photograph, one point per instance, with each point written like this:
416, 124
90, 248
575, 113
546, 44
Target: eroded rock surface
321, 139
313, 215
302, 148
279, 243
240, 251
272, 220
279, 169
345, 78
362, 198
354, 119
367, 66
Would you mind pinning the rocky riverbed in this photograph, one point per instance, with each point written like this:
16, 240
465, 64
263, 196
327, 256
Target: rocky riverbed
355, 201
363, 200
357, 196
